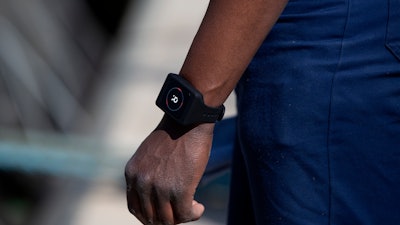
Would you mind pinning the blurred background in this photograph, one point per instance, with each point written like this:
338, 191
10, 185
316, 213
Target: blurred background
78, 82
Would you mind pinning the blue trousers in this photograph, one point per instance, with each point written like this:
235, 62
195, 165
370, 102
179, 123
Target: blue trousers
319, 119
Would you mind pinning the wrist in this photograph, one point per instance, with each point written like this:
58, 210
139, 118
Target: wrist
177, 130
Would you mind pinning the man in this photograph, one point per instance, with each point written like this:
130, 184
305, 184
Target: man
318, 116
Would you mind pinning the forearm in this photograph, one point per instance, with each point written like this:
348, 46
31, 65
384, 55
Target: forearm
229, 36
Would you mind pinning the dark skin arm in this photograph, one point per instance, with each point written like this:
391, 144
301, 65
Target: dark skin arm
163, 174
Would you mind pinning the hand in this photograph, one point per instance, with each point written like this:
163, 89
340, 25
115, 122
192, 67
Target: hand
163, 174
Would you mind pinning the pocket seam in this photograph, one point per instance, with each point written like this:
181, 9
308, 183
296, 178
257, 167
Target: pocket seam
392, 42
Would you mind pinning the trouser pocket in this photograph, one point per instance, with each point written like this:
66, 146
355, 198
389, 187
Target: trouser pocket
393, 28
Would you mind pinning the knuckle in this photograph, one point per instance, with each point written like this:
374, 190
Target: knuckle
138, 181
144, 183
129, 171
162, 189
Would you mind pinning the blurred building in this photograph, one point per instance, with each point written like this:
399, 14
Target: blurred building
78, 81
51, 54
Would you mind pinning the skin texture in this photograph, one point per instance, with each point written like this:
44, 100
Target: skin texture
163, 174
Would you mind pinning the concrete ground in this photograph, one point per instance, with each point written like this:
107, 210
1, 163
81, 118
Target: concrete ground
154, 41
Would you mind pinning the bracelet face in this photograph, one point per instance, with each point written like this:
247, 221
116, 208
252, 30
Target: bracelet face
181, 101
175, 98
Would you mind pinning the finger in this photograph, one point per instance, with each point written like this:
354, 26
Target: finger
165, 214
197, 210
147, 207
134, 203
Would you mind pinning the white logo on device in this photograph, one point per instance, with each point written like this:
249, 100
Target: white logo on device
174, 99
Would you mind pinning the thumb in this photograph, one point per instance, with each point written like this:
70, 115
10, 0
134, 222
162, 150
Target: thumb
197, 210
